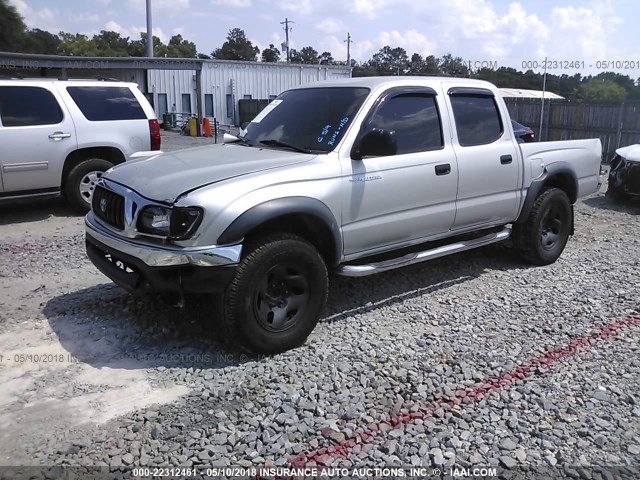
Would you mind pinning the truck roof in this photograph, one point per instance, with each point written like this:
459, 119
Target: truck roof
375, 82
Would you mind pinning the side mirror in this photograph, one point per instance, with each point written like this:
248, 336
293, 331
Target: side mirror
376, 143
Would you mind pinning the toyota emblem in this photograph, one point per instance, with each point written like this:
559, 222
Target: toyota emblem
103, 205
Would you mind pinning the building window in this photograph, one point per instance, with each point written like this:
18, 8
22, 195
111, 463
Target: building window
208, 105
247, 97
229, 106
163, 104
186, 103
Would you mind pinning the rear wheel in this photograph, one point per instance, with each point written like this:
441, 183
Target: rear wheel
81, 182
543, 236
277, 295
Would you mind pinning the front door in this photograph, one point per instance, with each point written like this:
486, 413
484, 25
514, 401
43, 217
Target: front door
36, 135
398, 199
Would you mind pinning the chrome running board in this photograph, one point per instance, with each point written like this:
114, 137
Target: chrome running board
417, 257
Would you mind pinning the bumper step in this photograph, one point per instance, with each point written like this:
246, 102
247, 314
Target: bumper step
417, 257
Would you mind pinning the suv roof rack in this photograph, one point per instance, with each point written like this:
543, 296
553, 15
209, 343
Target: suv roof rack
100, 79
15, 76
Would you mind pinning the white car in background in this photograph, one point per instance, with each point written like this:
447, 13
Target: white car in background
59, 136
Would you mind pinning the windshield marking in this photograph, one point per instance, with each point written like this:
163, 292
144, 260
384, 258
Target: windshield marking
341, 125
325, 130
265, 111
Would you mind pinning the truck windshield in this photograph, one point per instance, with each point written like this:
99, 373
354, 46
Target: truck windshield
310, 119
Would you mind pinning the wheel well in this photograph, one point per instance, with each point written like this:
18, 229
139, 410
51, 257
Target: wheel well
306, 226
76, 157
566, 183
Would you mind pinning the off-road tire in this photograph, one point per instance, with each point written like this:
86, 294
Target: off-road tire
277, 295
83, 175
542, 237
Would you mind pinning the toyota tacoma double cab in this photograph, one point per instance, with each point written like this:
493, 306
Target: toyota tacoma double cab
349, 177
59, 136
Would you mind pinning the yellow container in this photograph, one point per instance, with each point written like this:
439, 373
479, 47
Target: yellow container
193, 126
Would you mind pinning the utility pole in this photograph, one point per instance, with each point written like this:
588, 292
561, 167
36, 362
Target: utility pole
286, 29
149, 31
544, 87
349, 42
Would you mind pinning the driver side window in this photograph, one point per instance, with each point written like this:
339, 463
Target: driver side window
413, 118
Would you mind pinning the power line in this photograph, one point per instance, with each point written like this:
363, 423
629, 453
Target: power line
287, 29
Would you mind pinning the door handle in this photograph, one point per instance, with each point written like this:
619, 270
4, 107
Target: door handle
59, 135
506, 159
443, 169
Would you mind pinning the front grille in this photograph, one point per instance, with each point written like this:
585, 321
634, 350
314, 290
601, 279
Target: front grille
109, 207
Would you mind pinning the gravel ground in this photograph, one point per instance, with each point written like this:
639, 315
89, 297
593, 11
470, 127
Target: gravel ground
90, 375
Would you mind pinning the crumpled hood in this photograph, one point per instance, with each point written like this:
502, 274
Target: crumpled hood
166, 176
630, 153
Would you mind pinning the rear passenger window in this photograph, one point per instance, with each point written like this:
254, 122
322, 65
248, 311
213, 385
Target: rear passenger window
28, 106
477, 119
414, 119
100, 104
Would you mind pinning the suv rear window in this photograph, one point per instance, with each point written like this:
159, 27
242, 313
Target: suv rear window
99, 104
28, 106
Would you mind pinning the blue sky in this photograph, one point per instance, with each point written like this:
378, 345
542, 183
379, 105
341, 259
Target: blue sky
508, 33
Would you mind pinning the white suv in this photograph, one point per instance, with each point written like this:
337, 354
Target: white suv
59, 136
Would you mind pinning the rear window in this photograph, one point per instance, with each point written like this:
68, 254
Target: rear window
477, 119
99, 104
28, 106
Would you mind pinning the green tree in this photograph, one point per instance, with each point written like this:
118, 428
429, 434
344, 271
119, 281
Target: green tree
237, 47
423, 66
178, 47
453, 66
76, 44
110, 44
326, 58
294, 56
602, 89
12, 28
138, 48
390, 61
271, 54
40, 41
307, 55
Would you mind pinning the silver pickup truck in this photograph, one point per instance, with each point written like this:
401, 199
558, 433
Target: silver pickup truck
349, 177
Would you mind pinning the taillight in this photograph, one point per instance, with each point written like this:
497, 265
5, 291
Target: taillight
154, 134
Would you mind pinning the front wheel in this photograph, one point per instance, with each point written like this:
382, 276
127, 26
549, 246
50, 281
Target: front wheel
543, 236
81, 182
277, 295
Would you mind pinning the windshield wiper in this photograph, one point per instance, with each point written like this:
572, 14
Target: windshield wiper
271, 142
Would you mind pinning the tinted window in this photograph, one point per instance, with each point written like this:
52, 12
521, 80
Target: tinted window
313, 119
24, 106
107, 103
414, 119
477, 119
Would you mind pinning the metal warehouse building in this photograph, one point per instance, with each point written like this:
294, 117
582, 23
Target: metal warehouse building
225, 82
210, 88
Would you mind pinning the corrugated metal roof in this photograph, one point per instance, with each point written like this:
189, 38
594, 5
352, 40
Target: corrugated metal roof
524, 93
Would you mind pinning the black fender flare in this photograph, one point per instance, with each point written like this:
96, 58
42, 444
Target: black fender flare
272, 209
537, 185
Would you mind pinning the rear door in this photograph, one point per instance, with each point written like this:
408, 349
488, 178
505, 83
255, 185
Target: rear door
398, 199
488, 159
36, 135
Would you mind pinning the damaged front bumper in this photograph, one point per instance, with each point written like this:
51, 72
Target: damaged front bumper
166, 268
